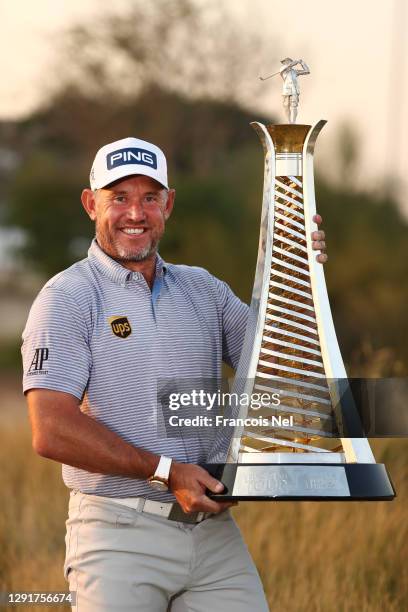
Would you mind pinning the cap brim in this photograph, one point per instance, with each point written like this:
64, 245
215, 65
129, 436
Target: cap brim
121, 174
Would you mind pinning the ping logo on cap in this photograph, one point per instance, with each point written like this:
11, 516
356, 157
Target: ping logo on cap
131, 155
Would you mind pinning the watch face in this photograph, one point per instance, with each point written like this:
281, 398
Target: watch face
158, 485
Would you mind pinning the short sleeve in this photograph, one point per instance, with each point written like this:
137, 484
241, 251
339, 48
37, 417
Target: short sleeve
55, 350
234, 320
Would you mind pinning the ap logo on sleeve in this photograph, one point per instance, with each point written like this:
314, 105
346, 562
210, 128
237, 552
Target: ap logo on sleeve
37, 365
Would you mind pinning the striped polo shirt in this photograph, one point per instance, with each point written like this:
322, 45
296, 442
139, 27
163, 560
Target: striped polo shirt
98, 332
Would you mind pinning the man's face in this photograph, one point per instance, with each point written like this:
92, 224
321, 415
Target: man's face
130, 217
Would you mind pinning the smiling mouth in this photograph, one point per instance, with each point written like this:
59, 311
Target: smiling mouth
133, 231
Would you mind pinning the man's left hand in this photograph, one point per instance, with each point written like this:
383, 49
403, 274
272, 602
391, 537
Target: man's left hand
319, 244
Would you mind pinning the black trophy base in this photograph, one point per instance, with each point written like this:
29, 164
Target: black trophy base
302, 481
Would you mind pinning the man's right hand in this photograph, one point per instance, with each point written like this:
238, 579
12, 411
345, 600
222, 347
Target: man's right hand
189, 482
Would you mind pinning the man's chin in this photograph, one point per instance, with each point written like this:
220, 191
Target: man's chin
126, 255
130, 255
134, 258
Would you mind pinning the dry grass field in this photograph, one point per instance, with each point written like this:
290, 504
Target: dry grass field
320, 557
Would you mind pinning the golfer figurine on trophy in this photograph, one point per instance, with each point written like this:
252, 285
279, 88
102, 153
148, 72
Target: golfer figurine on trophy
291, 90
318, 451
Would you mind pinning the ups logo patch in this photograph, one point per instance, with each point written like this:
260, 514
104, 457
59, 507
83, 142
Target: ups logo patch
120, 326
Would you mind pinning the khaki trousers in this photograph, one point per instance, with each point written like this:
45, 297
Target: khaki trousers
120, 559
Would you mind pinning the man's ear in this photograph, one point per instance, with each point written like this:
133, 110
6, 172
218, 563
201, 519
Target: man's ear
171, 195
89, 202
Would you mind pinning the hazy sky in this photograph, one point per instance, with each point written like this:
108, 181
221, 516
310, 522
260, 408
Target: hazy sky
348, 45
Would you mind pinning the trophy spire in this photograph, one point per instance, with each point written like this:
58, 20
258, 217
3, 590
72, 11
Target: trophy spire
291, 89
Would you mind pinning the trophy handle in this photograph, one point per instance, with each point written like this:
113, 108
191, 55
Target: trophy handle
355, 449
246, 370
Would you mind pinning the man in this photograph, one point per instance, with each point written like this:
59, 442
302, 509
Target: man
99, 337
291, 90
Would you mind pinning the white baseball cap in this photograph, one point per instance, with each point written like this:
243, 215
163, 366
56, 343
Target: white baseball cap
125, 157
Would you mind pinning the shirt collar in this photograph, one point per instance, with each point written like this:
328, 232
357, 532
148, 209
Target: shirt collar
114, 270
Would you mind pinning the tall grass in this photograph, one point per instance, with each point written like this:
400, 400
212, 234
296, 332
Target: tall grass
32, 515
343, 557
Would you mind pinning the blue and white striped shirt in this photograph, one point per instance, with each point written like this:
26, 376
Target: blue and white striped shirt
77, 340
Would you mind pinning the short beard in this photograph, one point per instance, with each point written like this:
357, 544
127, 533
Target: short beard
124, 256
120, 254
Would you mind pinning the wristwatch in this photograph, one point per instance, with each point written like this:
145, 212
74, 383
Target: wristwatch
160, 479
